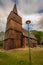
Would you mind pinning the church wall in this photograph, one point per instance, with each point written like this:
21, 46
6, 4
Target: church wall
12, 39
31, 42
14, 25
14, 17
25, 42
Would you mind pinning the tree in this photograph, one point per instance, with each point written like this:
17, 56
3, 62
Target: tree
38, 35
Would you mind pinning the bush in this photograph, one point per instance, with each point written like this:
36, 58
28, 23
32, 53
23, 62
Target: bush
1, 43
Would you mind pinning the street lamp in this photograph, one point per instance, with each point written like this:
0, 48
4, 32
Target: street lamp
28, 22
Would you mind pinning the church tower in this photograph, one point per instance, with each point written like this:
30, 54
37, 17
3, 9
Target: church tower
13, 33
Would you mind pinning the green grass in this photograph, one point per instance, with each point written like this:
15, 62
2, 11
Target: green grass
21, 57
37, 57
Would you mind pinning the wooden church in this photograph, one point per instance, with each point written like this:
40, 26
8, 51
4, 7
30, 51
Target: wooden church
13, 35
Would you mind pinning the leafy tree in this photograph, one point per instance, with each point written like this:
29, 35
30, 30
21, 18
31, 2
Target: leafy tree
38, 35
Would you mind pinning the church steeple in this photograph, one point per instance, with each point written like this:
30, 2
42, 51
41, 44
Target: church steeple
15, 9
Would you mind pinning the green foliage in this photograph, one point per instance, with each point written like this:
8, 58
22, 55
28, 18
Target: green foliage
38, 35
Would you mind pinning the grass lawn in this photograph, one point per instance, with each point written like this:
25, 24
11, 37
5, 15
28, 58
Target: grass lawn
21, 57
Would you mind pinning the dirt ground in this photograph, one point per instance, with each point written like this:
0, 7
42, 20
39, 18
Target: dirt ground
35, 48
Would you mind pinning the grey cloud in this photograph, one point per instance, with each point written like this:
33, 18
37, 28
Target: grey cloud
30, 6
5, 7
40, 23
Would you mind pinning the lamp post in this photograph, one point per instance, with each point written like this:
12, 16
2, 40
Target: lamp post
28, 22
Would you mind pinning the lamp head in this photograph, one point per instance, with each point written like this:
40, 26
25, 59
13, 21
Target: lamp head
28, 22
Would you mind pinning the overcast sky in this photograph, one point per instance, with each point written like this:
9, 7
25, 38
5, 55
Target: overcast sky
27, 9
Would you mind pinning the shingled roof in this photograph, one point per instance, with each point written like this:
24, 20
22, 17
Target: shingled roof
15, 9
25, 33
